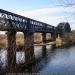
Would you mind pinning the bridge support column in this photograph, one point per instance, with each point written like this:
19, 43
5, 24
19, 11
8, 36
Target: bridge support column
29, 47
44, 37
11, 49
53, 36
44, 42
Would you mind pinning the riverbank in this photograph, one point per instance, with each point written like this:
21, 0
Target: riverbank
68, 40
20, 39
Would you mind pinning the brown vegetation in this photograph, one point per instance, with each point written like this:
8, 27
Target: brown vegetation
69, 38
3, 41
20, 39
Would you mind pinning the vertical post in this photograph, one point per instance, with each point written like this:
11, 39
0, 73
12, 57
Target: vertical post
53, 36
11, 49
44, 42
29, 47
44, 37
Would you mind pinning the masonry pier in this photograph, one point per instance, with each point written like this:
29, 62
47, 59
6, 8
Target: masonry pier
44, 46
11, 48
29, 47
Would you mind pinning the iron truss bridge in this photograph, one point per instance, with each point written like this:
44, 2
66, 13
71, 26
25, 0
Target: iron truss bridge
11, 21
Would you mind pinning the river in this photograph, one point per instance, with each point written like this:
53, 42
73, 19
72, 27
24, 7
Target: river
59, 61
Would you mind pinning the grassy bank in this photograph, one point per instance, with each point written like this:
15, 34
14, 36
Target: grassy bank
20, 39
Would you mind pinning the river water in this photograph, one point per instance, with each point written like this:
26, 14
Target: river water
59, 61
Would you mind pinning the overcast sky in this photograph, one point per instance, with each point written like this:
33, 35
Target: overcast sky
48, 11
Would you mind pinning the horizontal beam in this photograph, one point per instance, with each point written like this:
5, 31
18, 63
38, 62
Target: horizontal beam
10, 21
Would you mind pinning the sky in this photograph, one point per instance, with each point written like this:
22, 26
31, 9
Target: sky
49, 11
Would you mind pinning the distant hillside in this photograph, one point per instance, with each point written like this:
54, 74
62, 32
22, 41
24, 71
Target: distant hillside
69, 39
20, 39
3, 40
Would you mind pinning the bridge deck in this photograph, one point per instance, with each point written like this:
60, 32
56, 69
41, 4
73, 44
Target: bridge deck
16, 22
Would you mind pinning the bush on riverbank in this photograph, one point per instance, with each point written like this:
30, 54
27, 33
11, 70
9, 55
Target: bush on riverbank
69, 38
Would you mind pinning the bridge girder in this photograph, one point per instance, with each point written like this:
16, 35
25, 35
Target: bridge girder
63, 28
10, 21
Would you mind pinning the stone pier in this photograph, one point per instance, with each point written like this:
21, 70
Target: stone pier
44, 41
53, 36
11, 49
29, 47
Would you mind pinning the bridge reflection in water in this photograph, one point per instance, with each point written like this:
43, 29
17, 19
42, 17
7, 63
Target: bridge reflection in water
41, 53
57, 61
12, 23
53, 61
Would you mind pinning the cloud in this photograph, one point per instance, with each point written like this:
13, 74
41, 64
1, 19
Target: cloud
38, 12
49, 15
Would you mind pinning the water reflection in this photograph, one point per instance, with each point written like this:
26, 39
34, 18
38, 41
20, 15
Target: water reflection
48, 60
20, 57
3, 58
62, 62
37, 51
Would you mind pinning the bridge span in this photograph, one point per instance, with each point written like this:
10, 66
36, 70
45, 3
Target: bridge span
13, 23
